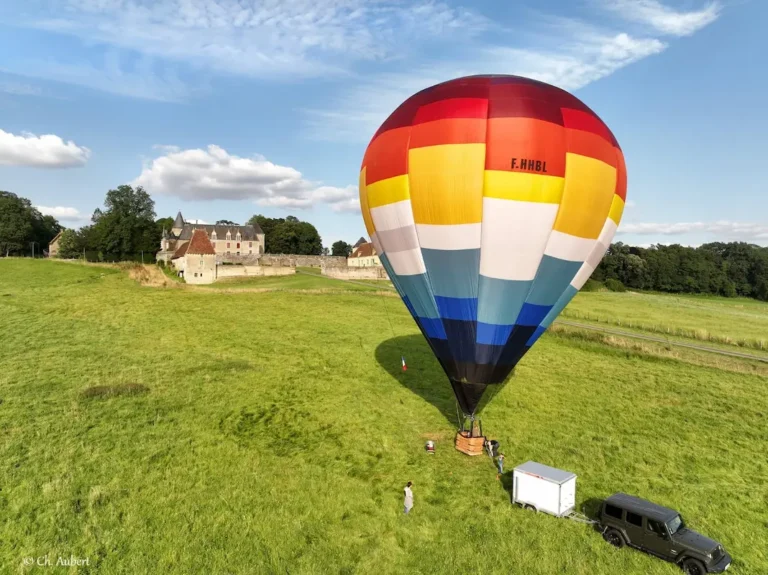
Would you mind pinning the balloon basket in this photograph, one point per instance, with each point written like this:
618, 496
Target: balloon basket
468, 444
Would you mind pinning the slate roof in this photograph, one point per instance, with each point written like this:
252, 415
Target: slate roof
200, 244
363, 251
180, 251
359, 242
179, 221
247, 233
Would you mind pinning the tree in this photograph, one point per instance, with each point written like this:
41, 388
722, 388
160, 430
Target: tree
288, 236
21, 224
15, 223
164, 223
70, 245
127, 225
341, 248
225, 223
326, 251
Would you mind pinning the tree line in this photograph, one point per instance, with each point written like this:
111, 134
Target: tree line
726, 269
127, 229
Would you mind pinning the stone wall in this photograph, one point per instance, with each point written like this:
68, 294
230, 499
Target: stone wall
369, 273
254, 271
303, 261
246, 259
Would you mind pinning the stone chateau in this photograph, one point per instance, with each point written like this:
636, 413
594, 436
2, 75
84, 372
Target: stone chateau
227, 241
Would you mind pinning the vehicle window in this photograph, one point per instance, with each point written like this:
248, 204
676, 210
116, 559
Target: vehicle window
612, 511
675, 524
634, 519
654, 527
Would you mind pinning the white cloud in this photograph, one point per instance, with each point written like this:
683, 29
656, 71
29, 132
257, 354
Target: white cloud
62, 213
584, 58
629, 204
214, 174
46, 151
664, 19
731, 230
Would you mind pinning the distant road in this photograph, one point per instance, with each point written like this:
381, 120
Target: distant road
607, 330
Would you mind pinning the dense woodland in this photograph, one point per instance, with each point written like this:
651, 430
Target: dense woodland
727, 269
127, 229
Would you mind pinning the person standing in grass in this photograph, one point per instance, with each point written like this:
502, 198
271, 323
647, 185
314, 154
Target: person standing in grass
500, 464
408, 497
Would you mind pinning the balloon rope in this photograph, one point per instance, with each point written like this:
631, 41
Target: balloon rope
386, 311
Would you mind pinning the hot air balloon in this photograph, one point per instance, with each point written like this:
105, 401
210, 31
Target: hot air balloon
490, 201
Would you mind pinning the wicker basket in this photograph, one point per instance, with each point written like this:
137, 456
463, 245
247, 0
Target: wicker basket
469, 445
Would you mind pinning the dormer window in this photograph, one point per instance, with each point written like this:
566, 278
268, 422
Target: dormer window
229, 235
238, 236
213, 235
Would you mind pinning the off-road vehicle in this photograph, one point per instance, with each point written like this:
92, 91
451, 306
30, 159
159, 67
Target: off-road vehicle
628, 520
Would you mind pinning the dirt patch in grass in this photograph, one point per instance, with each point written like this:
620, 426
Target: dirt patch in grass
436, 435
103, 391
148, 275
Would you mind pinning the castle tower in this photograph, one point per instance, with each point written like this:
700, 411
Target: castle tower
178, 225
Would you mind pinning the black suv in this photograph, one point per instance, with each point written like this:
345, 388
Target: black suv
628, 520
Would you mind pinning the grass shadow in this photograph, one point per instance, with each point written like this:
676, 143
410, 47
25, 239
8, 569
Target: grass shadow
104, 391
424, 376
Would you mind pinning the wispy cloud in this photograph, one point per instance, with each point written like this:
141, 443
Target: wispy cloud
144, 78
46, 151
585, 58
19, 88
63, 213
583, 53
214, 174
726, 229
261, 38
663, 18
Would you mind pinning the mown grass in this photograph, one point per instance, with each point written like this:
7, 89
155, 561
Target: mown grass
277, 430
735, 322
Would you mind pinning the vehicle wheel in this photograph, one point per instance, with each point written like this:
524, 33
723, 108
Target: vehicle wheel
693, 567
529, 507
614, 538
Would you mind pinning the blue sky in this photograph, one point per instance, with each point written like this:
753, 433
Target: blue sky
227, 108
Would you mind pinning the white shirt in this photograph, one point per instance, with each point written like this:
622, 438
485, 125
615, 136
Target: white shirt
408, 497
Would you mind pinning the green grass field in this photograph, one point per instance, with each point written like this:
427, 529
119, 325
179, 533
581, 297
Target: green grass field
736, 321
178, 430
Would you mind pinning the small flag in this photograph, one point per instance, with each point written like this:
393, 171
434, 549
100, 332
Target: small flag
403, 359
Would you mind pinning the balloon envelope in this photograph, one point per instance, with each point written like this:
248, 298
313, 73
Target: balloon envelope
490, 200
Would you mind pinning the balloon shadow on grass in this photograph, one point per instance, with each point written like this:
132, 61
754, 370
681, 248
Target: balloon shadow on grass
424, 376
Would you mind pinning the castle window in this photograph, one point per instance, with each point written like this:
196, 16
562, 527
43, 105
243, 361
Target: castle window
250, 244
227, 244
238, 245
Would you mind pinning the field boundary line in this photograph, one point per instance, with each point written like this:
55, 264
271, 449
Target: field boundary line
661, 340
609, 331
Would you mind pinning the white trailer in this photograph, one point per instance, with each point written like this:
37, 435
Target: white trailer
543, 488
